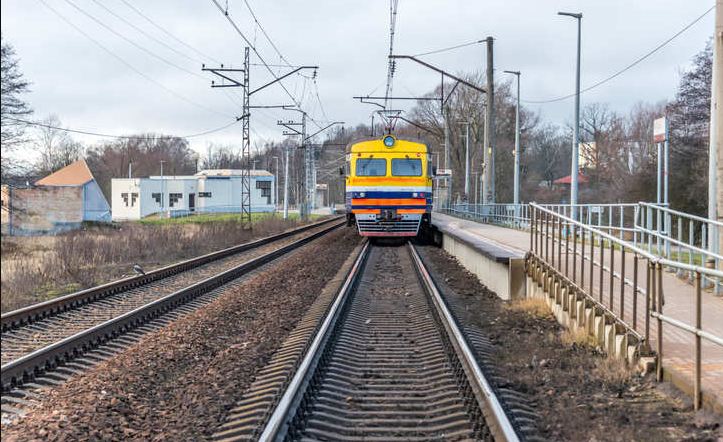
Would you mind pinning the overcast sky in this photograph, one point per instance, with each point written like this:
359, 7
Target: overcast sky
133, 91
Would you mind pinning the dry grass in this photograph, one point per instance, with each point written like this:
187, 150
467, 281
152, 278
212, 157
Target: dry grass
614, 372
577, 336
533, 306
37, 269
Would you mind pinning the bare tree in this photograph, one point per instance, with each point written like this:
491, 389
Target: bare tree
12, 105
57, 149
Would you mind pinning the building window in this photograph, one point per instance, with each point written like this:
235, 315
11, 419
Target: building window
134, 198
125, 198
265, 187
157, 197
204, 194
173, 198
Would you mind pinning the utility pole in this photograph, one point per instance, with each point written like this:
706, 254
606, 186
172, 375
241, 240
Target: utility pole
163, 181
715, 170
443, 100
576, 133
516, 193
276, 183
466, 160
286, 182
488, 171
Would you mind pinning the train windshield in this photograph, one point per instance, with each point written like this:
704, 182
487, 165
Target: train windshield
371, 167
406, 167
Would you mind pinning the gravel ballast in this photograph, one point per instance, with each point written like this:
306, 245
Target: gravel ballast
177, 383
576, 392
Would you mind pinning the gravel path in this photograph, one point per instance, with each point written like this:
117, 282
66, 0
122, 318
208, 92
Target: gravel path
177, 383
577, 393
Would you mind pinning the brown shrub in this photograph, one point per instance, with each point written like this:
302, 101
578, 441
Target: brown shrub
84, 258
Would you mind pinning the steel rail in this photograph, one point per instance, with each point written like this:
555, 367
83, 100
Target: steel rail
278, 423
33, 364
277, 426
495, 416
26, 315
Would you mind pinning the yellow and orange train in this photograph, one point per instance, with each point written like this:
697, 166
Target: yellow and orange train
389, 186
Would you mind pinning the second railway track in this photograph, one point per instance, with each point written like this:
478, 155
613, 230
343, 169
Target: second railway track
385, 361
105, 321
35, 327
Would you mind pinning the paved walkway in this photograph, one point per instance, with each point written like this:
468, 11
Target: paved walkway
678, 345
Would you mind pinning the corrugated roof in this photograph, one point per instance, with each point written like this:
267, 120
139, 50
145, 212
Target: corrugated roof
74, 174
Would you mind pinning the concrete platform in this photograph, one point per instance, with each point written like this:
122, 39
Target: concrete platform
478, 245
499, 266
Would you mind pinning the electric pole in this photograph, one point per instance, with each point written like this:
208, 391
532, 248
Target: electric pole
466, 160
516, 193
715, 170
488, 180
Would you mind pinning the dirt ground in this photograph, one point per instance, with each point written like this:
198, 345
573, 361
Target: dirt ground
578, 393
177, 383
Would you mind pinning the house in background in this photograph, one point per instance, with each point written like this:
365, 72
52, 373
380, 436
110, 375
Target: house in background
216, 190
61, 201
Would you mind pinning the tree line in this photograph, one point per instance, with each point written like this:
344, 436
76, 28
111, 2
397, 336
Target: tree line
620, 168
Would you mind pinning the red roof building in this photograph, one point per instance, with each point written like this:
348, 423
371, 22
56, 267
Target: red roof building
581, 179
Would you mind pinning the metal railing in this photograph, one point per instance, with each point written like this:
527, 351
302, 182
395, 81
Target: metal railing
594, 266
680, 237
515, 216
649, 226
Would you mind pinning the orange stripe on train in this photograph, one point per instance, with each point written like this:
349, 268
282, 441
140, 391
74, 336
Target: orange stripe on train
389, 201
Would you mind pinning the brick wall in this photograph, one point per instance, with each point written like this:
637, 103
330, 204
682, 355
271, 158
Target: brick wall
46, 209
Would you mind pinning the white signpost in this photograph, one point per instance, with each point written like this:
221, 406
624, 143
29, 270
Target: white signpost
660, 137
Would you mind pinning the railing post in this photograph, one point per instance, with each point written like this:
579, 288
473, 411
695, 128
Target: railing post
532, 232
698, 325
691, 241
592, 260
659, 309
582, 258
649, 292
602, 269
635, 291
622, 282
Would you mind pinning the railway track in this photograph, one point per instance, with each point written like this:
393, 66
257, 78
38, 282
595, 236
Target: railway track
383, 359
46, 344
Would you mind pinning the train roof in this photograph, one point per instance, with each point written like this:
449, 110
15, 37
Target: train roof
376, 144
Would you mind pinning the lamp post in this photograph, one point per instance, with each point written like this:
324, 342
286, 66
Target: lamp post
516, 194
576, 137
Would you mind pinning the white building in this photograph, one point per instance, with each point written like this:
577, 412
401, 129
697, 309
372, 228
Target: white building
217, 190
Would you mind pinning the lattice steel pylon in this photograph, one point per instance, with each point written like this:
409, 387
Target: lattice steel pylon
246, 147
225, 74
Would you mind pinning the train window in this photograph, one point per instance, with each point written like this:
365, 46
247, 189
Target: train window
407, 167
371, 167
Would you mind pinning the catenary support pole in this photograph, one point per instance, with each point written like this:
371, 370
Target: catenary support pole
715, 171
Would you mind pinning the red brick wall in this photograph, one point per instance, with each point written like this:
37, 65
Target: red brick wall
46, 209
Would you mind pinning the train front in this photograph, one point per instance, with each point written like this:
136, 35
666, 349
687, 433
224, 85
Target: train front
388, 187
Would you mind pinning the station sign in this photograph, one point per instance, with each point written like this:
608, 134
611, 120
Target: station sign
660, 130
444, 172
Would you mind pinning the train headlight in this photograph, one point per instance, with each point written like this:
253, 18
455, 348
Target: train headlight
362, 195
389, 141
415, 195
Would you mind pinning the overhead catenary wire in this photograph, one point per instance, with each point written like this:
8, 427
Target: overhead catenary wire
168, 33
99, 134
143, 32
133, 43
450, 48
629, 66
129, 65
260, 57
